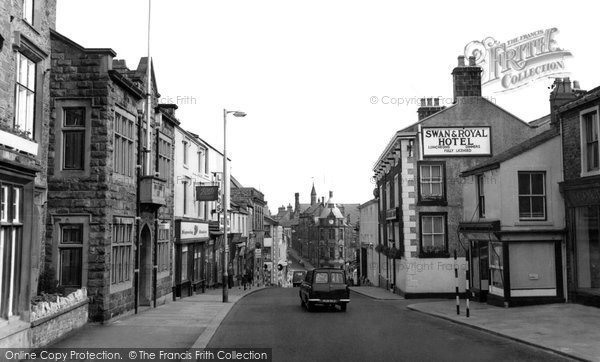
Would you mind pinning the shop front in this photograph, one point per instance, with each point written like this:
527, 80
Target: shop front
192, 252
513, 268
582, 197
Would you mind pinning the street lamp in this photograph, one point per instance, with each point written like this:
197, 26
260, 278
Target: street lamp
225, 202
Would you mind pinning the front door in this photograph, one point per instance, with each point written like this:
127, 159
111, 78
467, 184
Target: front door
145, 290
479, 266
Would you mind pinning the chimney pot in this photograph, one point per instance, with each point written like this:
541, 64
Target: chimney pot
422, 102
471, 61
576, 85
330, 194
429, 102
461, 60
436, 102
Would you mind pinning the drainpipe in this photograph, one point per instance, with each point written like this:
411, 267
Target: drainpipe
155, 248
138, 172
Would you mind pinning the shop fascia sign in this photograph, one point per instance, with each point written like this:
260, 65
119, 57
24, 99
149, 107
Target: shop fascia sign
456, 141
193, 230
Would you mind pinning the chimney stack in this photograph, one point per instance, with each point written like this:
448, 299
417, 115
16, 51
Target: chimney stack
429, 106
561, 94
467, 79
289, 208
297, 202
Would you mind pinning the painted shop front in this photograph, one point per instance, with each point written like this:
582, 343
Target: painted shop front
191, 251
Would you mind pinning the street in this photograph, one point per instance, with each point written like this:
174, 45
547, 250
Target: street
370, 330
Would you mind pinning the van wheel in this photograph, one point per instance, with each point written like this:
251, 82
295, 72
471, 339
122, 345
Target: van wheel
343, 307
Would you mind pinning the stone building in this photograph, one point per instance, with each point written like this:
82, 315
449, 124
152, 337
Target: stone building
577, 115
110, 199
323, 231
24, 117
254, 202
418, 184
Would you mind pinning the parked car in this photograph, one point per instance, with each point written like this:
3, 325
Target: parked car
325, 286
298, 277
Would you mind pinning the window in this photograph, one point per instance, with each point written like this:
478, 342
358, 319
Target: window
396, 191
184, 262
25, 95
332, 234
321, 278
433, 235
590, 123
11, 234
122, 244
431, 182
387, 195
186, 181
202, 161
70, 255
185, 152
480, 195
164, 158
163, 250
496, 269
123, 147
337, 278
28, 11
532, 196
73, 138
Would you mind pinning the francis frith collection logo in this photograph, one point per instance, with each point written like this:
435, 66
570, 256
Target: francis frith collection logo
519, 61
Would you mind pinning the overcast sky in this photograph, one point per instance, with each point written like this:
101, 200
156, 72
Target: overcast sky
305, 73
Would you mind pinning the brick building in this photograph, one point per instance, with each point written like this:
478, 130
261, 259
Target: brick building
24, 115
110, 209
419, 189
577, 115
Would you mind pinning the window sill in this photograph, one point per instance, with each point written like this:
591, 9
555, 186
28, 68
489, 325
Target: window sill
18, 143
115, 288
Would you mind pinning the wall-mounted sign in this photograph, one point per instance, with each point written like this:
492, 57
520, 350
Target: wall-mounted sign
207, 193
456, 141
193, 230
391, 214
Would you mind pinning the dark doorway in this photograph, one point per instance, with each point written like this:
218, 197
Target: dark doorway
480, 275
145, 290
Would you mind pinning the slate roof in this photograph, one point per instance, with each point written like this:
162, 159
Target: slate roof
514, 151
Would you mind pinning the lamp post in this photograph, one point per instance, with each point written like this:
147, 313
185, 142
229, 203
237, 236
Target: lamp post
225, 202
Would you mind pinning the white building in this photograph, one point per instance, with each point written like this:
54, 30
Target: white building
369, 259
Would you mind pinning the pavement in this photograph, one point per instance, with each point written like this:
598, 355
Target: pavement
189, 322
303, 263
376, 293
572, 330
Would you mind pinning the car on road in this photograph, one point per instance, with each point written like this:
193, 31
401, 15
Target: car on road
325, 286
298, 277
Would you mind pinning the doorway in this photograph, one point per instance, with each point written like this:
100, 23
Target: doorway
479, 265
145, 291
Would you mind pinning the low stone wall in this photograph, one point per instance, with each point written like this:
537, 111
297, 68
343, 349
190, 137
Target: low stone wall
52, 320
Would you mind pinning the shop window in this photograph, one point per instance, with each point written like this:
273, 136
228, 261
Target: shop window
184, 263
432, 187
122, 246
496, 269
433, 235
11, 239
25, 95
532, 195
587, 247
